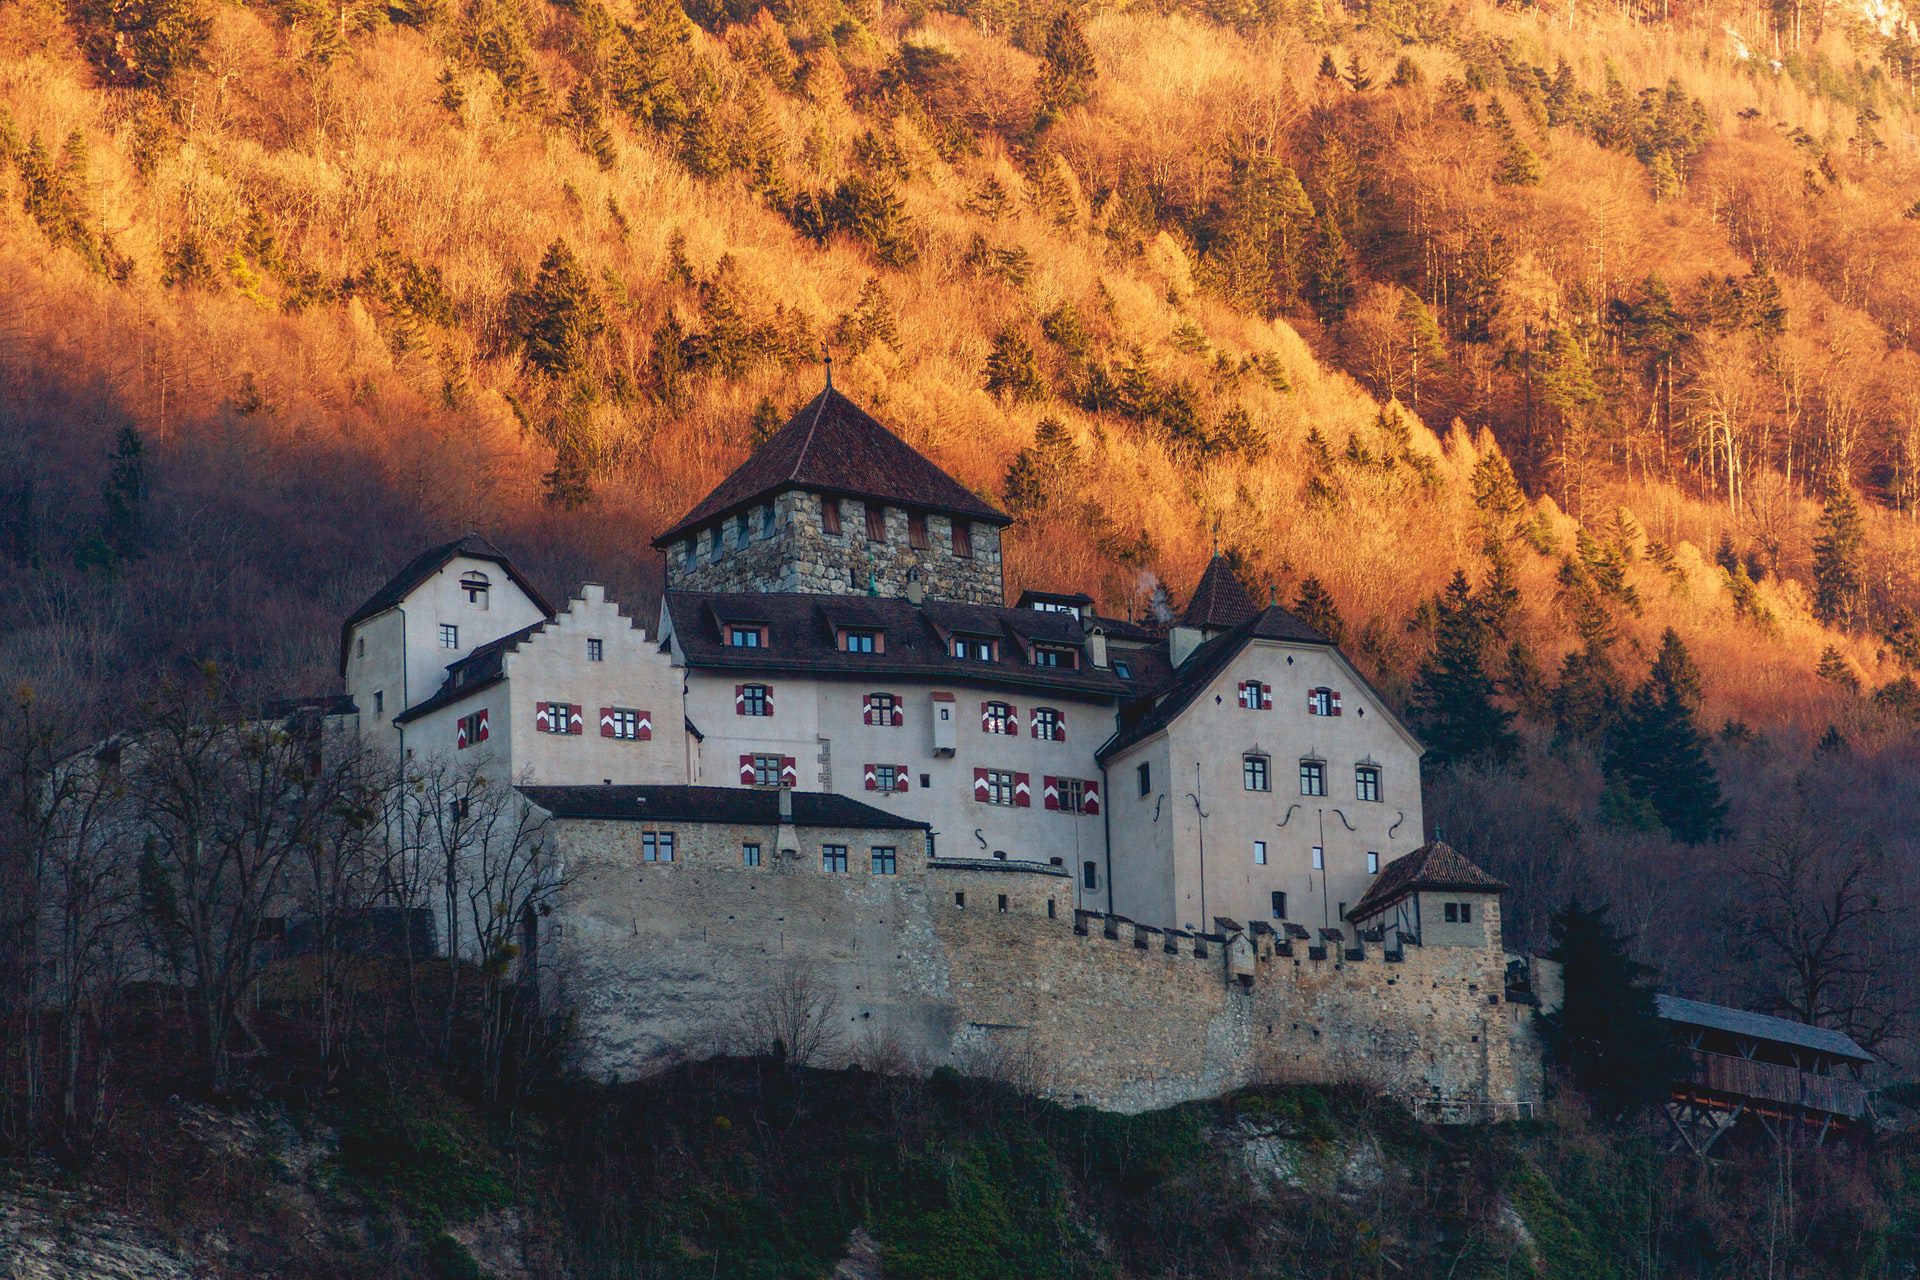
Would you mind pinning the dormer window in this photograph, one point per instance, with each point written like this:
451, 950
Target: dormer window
862, 640
1123, 668
963, 539
976, 648
476, 585
746, 635
917, 530
876, 522
1063, 656
830, 516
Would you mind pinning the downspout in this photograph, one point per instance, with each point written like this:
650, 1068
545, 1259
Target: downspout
404, 691
1106, 830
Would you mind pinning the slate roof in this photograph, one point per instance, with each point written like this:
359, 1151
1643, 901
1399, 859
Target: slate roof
424, 566
1200, 669
1434, 865
1220, 601
745, 805
485, 666
835, 446
918, 639
1760, 1026
325, 705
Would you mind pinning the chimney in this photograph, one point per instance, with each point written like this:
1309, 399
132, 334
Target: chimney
1181, 642
786, 806
1097, 648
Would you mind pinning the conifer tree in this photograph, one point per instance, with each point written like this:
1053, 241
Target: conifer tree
1518, 166
123, 496
869, 208
1453, 695
560, 315
589, 124
1903, 637
1497, 493
1357, 77
1067, 70
1657, 753
1329, 285
1041, 469
1316, 608
1836, 559
1836, 670
1607, 1031
1329, 70
1012, 371
141, 44
871, 320
1426, 349
765, 422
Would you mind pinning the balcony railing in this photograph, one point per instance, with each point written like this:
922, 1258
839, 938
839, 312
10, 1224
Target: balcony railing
1771, 1082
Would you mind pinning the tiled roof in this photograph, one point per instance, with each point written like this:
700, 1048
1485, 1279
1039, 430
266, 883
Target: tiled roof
1434, 865
744, 805
425, 565
1200, 669
917, 643
835, 446
1220, 601
1760, 1026
485, 666
321, 704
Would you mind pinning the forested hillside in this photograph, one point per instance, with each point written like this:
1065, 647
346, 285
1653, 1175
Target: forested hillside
1611, 312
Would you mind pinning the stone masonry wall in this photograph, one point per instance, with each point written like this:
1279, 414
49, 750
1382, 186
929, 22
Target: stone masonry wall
663, 962
799, 555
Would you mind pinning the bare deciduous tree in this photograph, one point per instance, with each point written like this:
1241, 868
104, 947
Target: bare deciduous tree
795, 1017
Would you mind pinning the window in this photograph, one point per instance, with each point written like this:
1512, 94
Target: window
360, 647
884, 861
1366, 782
1323, 702
470, 730
768, 520
963, 539
883, 709
876, 522
622, 723
1055, 655
754, 700
833, 859
1259, 853
959, 902
974, 649
1090, 875
1254, 775
746, 635
1145, 774
1279, 901
830, 515
1313, 777
687, 552
999, 785
861, 641
766, 771
1072, 794
1459, 912
449, 636
556, 717
475, 585
998, 717
1319, 858
926, 781
656, 846
596, 651
1123, 669
1373, 863
886, 777
917, 530
379, 701
750, 855
1255, 696
1050, 912
1049, 724
742, 529
717, 542
1003, 904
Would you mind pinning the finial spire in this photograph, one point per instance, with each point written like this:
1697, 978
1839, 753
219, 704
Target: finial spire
873, 583
827, 359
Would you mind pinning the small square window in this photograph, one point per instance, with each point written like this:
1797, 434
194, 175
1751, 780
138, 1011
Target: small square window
833, 859
1373, 863
1123, 669
750, 855
449, 636
886, 777
998, 786
596, 651
754, 700
1254, 773
1047, 724
1071, 794
766, 771
1466, 913
885, 861
1259, 853
656, 846
1452, 912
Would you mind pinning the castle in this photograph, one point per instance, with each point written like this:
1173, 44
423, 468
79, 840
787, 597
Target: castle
1146, 867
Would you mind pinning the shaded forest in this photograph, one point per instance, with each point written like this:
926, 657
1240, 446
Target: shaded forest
1560, 360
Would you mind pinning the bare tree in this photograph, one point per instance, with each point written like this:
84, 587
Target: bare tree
794, 1016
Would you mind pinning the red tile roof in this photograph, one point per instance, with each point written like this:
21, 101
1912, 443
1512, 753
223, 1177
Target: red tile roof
1434, 865
1220, 601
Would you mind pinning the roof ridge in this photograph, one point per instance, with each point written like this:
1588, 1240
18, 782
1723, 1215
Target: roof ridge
819, 411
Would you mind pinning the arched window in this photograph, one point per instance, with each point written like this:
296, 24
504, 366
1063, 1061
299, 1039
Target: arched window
476, 585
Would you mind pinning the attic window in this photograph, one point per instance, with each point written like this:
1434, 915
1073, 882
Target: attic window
1123, 668
475, 585
975, 649
1056, 655
876, 522
862, 640
746, 635
830, 515
917, 530
963, 539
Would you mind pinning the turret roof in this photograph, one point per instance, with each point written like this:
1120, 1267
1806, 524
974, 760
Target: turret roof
1434, 865
1220, 601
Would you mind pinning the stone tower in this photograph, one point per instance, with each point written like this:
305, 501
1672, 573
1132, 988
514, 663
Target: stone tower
835, 504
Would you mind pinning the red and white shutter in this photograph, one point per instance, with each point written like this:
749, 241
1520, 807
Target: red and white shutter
1335, 696
480, 726
645, 728
1249, 695
1013, 720
789, 772
543, 717
746, 771
577, 723
866, 714
1022, 791
1059, 726
460, 734
1313, 702
769, 700
873, 778
980, 785
986, 717
899, 712
1266, 697
1090, 796
899, 777
739, 699
1049, 792
607, 729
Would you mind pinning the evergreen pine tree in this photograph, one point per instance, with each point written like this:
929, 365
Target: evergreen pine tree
123, 496
1041, 469
1657, 753
1316, 608
1518, 166
589, 125
560, 316
871, 320
1067, 70
1426, 349
1453, 695
766, 420
1836, 559
1607, 1031
1903, 637
141, 44
1357, 77
1329, 285
1012, 371
1329, 69
1497, 493
1836, 670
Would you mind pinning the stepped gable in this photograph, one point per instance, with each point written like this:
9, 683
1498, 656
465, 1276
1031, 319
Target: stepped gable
834, 446
1434, 865
1202, 666
474, 546
1220, 601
